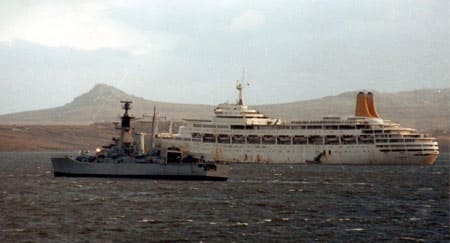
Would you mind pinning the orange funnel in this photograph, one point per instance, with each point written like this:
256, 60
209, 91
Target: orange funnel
371, 105
362, 108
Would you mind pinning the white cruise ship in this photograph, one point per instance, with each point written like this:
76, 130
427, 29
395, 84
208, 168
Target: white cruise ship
238, 133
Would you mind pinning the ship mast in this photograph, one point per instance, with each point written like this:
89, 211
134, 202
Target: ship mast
153, 128
240, 87
125, 123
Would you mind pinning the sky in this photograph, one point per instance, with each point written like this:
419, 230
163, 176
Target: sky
194, 51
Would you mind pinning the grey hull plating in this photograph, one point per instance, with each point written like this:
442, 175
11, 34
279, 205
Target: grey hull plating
179, 171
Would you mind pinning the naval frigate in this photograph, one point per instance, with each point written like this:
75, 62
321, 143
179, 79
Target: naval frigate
126, 157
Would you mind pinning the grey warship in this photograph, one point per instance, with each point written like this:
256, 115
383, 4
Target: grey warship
126, 158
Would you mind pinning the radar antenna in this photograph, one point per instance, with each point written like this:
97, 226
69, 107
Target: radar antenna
126, 105
125, 125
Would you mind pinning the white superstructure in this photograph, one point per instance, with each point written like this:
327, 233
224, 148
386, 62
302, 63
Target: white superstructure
238, 133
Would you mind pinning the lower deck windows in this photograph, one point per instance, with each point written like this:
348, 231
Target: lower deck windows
365, 139
315, 139
284, 139
238, 139
299, 140
223, 138
380, 140
209, 138
348, 139
331, 139
253, 139
268, 139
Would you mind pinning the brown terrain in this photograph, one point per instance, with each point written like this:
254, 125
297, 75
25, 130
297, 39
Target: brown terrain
86, 122
76, 137
55, 137
65, 137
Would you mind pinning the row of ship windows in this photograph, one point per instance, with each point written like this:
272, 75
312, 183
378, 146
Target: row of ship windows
409, 150
404, 145
368, 129
283, 127
285, 139
210, 126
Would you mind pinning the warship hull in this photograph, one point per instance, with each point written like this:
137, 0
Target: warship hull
176, 171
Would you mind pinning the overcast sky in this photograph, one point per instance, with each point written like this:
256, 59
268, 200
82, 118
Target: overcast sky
194, 51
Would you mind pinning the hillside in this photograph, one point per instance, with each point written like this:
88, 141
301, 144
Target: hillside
427, 109
101, 104
78, 124
55, 137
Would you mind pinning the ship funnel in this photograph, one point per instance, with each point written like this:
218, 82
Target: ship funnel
362, 108
371, 105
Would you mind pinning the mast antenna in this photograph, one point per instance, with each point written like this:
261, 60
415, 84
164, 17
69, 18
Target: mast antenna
153, 128
240, 87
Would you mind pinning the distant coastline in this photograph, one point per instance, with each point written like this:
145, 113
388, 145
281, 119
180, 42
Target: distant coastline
85, 123
425, 110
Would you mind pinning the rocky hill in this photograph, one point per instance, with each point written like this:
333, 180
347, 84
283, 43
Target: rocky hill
101, 104
426, 109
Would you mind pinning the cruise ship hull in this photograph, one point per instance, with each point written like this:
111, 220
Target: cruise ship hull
237, 133
323, 154
186, 171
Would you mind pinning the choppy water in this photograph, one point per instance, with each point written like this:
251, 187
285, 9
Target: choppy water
258, 203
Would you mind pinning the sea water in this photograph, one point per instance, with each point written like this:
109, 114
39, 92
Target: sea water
259, 202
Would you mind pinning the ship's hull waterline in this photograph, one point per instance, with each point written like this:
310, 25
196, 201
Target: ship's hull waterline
286, 154
187, 171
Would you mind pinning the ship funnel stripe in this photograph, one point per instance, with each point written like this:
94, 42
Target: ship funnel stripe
371, 105
365, 105
362, 108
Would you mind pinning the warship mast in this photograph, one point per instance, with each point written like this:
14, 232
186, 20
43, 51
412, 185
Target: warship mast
125, 128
